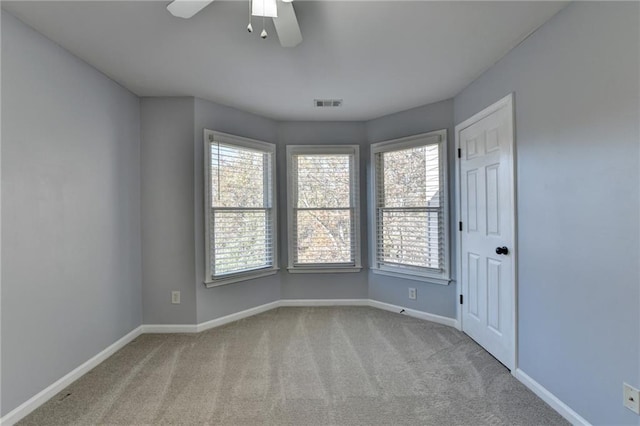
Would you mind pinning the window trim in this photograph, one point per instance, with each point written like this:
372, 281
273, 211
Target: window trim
430, 138
355, 199
211, 136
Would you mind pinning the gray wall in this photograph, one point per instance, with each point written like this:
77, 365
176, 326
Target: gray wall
168, 251
576, 96
71, 212
322, 286
224, 300
433, 298
172, 211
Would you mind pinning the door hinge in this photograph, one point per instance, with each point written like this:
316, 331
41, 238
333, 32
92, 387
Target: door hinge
460, 226
459, 153
461, 299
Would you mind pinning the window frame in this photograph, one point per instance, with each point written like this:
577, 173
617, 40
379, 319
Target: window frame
212, 137
354, 193
438, 137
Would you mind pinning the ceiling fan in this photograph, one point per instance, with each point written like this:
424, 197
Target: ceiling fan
281, 11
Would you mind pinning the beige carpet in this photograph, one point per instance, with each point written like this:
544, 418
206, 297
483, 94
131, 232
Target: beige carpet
301, 366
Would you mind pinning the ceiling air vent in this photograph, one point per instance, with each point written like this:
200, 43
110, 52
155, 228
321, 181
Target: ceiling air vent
327, 103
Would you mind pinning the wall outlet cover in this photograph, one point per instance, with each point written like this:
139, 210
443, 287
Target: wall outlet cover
631, 398
412, 293
175, 297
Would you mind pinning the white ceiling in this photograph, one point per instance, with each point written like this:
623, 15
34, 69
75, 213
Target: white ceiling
379, 56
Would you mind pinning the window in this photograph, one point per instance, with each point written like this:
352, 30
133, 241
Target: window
410, 207
240, 213
324, 215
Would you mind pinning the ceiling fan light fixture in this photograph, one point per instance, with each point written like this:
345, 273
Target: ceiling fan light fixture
264, 8
284, 20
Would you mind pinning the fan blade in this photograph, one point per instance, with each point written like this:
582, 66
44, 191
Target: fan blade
187, 8
287, 25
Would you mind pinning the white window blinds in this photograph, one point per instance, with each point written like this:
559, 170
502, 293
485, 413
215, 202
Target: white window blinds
240, 206
410, 206
323, 207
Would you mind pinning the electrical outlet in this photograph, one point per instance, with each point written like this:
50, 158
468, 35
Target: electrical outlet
175, 297
412, 293
631, 398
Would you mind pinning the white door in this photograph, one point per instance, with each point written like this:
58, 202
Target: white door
486, 250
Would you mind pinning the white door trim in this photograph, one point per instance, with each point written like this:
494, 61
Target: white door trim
507, 102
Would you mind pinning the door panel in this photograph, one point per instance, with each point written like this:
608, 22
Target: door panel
472, 200
487, 213
474, 300
493, 200
493, 282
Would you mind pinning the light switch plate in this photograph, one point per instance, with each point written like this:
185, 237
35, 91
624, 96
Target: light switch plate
175, 297
631, 398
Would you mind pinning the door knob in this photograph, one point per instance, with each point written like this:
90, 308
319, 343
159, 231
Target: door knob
502, 250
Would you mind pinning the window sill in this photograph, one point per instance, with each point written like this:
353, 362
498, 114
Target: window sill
318, 270
241, 277
414, 277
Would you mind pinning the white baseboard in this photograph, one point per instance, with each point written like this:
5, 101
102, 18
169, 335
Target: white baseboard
43, 396
563, 409
169, 328
237, 316
324, 302
451, 322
